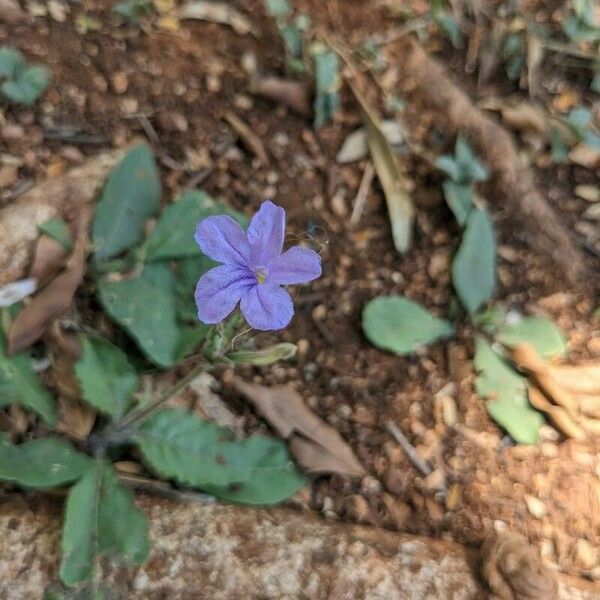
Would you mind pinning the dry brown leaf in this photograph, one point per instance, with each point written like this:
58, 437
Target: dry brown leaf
217, 12
248, 137
20, 219
293, 94
579, 379
317, 447
31, 323
48, 258
527, 359
557, 414
76, 417
525, 117
399, 203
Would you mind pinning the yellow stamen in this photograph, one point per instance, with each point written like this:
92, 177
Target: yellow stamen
261, 277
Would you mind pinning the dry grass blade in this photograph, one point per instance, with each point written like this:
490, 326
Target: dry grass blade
399, 203
217, 12
557, 414
317, 447
248, 137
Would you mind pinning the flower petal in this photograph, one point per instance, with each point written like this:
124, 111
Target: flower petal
219, 290
296, 265
267, 307
223, 240
266, 234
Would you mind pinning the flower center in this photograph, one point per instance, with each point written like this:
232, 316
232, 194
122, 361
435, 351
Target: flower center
261, 275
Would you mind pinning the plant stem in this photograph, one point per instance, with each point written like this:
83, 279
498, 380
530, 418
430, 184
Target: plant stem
139, 414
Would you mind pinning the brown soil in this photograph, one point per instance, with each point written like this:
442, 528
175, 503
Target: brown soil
181, 83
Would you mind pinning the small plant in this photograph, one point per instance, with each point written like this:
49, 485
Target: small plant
132, 10
21, 83
402, 326
582, 25
444, 19
146, 286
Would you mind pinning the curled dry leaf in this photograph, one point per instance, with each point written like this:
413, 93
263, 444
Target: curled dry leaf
527, 359
296, 95
317, 447
248, 137
76, 417
48, 258
580, 379
217, 12
50, 303
557, 414
514, 571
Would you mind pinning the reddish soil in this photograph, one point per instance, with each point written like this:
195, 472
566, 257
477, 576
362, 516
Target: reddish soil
181, 83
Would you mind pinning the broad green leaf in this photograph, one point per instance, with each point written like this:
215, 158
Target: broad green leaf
189, 340
327, 84
459, 198
521, 422
178, 445
474, 266
11, 62
58, 230
145, 307
100, 518
401, 325
274, 477
106, 378
470, 166
20, 385
130, 196
27, 85
507, 391
541, 333
42, 463
173, 236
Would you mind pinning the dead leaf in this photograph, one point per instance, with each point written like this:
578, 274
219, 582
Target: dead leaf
31, 323
557, 414
296, 95
217, 12
48, 258
76, 417
356, 146
527, 359
399, 203
317, 447
525, 117
211, 406
248, 137
581, 379
14, 292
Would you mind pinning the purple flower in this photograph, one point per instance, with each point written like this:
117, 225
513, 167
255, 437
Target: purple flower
253, 270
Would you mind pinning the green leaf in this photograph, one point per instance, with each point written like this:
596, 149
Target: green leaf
595, 85
27, 86
58, 230
106, 378
459, 198
274, 477
130, 196
145, 307
474, 266
11, 62
173, 236
132, 10
42, 463
100, 518
190, 339
278, 9
178, 445
541, 333
327, 84
264, 356
509, 405
464, 167
449, 25
20, 385
491, 319
401, 325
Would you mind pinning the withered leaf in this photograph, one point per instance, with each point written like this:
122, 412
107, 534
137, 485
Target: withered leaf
317, 447
50, 303
48, 259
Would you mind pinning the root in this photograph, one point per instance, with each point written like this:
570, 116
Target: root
424, 78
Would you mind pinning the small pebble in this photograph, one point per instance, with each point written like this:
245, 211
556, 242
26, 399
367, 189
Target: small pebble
536, 507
